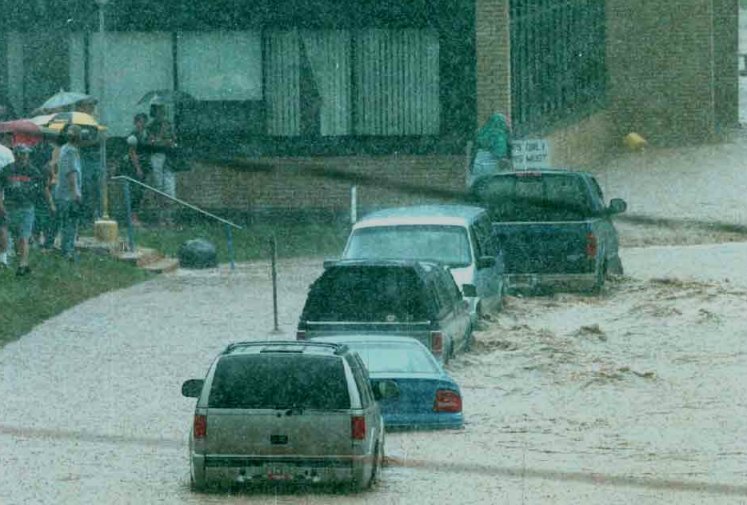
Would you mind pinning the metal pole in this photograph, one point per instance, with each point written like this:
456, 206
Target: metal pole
353, 204
128, 208
274, 253
229, 239
103, 191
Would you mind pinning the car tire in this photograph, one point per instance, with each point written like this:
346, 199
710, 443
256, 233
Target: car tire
616, 266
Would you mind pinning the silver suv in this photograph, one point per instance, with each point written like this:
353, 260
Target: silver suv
286, 411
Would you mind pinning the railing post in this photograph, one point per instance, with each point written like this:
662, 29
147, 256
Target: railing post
128, 209
274, 254
229, 239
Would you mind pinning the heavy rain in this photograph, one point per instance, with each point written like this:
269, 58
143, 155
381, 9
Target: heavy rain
545, 199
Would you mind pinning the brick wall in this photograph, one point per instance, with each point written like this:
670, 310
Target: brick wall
492, 33
662, 80
323, 184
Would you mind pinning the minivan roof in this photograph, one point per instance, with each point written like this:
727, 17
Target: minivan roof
454, 215
290, 346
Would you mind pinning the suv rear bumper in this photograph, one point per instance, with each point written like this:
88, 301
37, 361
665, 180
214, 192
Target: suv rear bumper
519, 282
227, 470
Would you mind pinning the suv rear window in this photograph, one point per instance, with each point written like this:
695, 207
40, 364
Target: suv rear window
268, 381
367, 294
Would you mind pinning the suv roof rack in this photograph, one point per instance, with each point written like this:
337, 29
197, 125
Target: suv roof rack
337, 348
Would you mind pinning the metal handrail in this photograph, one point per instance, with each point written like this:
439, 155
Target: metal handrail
177, 200
131, 234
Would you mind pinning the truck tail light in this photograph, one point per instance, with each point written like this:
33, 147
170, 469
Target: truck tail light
591, 245
200, 426
437, 342
358, 427
447, 401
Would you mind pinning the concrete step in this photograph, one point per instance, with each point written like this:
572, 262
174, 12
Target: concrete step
162, 266
141, 257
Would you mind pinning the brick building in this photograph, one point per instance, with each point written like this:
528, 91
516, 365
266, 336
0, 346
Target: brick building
392, 89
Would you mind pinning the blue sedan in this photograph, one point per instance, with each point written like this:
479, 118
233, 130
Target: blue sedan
428, 397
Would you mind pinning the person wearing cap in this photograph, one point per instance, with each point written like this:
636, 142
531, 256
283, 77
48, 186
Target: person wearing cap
69, 190
21, 183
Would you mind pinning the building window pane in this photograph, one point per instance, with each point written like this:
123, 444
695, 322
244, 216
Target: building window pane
220, 66
282, 77
135, 64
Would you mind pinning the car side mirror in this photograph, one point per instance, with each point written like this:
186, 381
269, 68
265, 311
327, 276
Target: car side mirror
485, 262
617, 206
192, 388
385, 389
469, 290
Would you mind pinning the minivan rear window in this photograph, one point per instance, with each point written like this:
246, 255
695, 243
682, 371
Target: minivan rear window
367, 294
443, 244
277, 381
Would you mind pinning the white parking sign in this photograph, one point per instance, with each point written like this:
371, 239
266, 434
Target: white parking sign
530, 153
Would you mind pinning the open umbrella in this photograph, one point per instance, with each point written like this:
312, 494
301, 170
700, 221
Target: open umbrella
164, 96
25, 131
64, 99
57, 122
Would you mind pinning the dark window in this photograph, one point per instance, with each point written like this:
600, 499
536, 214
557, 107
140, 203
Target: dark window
558, 62
367, 294
265, 381
529, 196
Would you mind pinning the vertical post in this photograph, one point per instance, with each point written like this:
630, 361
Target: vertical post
274, 254
353, 204
103, 175
128, 209
229, 240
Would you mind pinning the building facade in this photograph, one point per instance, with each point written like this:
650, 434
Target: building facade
390, 92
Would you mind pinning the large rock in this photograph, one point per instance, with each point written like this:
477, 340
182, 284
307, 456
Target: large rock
198, 253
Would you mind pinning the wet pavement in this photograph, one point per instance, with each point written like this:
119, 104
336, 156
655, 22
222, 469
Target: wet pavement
569, 399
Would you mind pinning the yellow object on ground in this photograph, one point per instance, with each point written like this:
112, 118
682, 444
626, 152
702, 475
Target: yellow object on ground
634, 142
106, 230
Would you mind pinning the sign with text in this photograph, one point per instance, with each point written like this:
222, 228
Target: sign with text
530, 153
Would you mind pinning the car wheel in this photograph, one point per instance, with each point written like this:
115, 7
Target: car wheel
616, 266
376, 466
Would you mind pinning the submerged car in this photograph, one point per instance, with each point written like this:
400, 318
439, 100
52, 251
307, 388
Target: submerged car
428, 397
458, 236
286, 411
392, 297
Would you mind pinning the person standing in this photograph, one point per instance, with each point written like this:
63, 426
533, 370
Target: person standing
69, 191
90, 158
492, 148
6, 158
21, 184
161, 140
137, 164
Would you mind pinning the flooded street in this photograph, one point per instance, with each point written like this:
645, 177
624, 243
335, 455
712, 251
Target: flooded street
568, 399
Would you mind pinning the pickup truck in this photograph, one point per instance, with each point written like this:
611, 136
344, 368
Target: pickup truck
388, 297
554, 228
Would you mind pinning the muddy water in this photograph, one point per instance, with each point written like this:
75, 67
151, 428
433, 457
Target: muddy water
636, 396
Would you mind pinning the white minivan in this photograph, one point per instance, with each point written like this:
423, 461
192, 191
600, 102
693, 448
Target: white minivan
457, 236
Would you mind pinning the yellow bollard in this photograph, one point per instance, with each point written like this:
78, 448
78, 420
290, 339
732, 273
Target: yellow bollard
106, 230
634, 142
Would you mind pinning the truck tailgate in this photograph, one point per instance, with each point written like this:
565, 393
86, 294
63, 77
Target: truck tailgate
544, 247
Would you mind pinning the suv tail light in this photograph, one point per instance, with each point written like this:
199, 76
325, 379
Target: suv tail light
437, 342
300, 334
358, 427
200, 426
447, 401
591, 245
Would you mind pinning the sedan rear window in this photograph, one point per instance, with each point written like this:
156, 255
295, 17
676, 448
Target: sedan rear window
276, 381
367, 294
406, 358
442, 244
